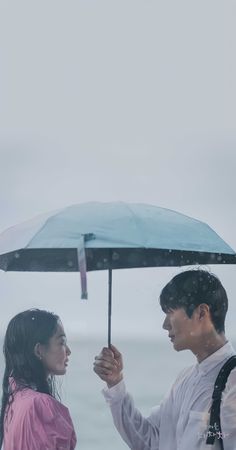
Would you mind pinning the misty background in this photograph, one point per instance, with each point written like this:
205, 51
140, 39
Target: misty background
131, 100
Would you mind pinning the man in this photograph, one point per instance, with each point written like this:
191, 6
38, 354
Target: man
195, 304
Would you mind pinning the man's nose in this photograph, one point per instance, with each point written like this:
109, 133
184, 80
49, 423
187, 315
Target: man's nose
166, 324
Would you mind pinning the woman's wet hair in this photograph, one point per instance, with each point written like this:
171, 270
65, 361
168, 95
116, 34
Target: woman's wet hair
191, 288
24, 331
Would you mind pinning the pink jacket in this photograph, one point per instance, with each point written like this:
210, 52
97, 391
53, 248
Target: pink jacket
37, 421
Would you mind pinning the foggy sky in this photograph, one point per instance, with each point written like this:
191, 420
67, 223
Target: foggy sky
116, 100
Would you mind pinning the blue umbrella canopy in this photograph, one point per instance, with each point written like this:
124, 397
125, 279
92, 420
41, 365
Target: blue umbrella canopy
161, 237
98, 236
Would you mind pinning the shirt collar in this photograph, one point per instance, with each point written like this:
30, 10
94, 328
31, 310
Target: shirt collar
221, 355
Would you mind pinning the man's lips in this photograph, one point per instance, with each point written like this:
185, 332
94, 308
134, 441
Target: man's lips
171, 336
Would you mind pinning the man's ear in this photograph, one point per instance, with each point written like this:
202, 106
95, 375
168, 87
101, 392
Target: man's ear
203, 310
38, 351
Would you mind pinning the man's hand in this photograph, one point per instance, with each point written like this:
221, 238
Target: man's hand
108, 366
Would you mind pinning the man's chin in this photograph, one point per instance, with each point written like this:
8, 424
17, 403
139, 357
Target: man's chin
178, 346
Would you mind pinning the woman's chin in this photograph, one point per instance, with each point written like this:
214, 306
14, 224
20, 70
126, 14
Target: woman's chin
58, 372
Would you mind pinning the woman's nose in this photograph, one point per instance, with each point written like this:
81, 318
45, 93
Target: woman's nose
68, 350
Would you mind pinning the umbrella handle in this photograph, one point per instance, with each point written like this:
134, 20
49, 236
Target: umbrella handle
109, 304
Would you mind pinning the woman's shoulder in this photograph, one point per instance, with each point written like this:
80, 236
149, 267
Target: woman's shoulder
38, 417
43, 404
36, 407
28, 401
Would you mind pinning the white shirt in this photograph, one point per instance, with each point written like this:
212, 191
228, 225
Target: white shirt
180, 422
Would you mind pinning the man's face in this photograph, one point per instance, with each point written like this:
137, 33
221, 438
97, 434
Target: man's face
182, 330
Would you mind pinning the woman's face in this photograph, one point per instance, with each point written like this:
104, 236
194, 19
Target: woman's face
55, 355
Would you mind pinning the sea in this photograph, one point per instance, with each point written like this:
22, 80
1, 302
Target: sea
150, 368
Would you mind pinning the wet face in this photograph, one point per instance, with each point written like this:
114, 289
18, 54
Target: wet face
55, 355
182, 330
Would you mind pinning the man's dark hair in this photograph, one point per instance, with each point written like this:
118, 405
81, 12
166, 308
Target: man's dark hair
193, 287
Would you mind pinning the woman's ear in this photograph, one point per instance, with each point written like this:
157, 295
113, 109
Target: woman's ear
38, 351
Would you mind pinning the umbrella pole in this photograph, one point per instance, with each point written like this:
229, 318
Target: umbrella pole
109, 304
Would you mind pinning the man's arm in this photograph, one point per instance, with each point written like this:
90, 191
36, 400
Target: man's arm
138, 432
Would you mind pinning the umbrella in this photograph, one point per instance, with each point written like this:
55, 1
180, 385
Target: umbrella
98, 236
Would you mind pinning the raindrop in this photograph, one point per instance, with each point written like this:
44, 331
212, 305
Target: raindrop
115, 256
17, 255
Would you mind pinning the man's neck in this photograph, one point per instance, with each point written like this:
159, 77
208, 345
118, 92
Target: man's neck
210, 345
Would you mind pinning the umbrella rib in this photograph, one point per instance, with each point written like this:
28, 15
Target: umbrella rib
135, 217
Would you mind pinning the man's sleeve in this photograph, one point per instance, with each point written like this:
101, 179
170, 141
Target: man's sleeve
138, 432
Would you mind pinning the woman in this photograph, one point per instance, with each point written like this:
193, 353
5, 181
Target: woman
35, 350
